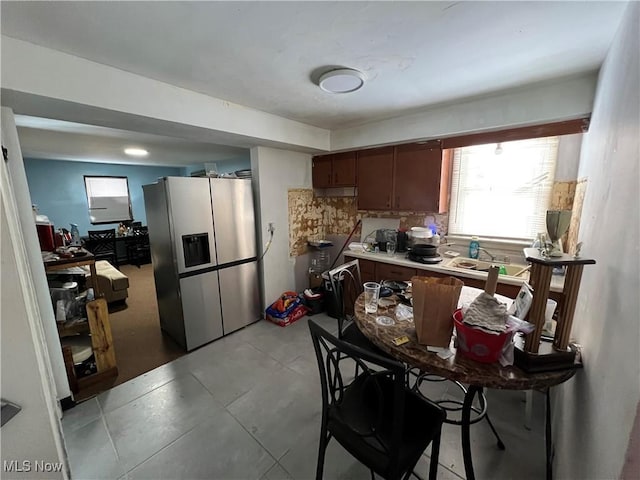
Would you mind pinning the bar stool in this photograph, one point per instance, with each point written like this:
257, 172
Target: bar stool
451, 405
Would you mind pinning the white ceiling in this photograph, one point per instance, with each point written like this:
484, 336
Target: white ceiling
265, 55
60, 140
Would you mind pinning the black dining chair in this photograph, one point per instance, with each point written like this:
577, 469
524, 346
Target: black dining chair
373, 415
102, 243
138, 248
346, 285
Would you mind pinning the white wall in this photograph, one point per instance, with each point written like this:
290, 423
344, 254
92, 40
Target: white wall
557, 100
594, 412
568, 157
23, 202
34, 434
275, 172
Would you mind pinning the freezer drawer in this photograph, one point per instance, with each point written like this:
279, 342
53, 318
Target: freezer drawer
240, 296
201, 309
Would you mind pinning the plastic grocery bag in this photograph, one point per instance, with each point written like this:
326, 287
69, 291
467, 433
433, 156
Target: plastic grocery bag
434, 301
286, 309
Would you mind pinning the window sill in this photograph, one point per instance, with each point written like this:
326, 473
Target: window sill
497, 246
490, 241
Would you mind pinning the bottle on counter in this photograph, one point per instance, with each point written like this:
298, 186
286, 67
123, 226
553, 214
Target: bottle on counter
75, 235
474, 247
435, 239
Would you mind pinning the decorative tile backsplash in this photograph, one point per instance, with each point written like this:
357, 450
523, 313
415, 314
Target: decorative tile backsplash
563, 197
313, 217
574, 226
305, 220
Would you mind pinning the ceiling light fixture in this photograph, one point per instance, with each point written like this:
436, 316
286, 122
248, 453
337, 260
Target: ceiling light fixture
498, 148
342, 80
136, 152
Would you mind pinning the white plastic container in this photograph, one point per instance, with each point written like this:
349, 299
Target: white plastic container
549, 323
356, 247
421, 232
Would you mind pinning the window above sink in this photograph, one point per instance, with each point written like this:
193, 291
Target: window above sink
502, 190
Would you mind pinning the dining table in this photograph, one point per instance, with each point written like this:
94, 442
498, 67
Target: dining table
457, 367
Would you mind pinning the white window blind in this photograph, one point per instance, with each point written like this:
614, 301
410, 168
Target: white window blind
108, 199
502, 195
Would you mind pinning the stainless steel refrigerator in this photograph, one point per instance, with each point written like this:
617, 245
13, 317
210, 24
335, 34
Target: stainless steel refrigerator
203, 250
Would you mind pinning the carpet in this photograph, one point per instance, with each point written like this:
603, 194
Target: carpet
139, 343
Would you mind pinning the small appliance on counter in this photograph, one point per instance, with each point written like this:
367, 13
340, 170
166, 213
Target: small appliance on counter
384, 235
402, 242
419, 235
424, 253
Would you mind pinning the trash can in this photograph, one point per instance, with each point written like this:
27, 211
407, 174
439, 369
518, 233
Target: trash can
314, 300
331, 304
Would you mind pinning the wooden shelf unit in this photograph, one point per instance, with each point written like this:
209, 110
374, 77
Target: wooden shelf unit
533, 355
540, 279
97, 326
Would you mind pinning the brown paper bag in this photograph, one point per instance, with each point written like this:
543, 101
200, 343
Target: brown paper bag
434, 301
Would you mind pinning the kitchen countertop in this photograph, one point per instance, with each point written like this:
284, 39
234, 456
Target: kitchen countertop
557, 281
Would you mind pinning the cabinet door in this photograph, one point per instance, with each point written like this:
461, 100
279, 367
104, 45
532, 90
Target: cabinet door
387, 271
375, 184
367, 271
321, 171
417, 170
344, 169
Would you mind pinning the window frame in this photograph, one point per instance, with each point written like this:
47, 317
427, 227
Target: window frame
117, 213
455, 206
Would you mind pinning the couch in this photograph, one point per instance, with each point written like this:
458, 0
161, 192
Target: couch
112, 283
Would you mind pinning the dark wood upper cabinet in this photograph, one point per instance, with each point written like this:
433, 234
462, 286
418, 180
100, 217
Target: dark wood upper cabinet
321, 171
410, 177
416, 177
344, 169
334, 170
375, 179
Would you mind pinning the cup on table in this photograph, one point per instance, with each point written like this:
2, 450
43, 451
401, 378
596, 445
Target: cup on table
371, 296
391, 247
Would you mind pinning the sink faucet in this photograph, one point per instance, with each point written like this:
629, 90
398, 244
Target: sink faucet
488, 253
495, 258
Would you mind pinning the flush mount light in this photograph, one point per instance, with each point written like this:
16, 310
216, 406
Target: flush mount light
342, 80
136, 152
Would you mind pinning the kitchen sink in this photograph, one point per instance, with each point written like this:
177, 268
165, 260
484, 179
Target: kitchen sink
464, 263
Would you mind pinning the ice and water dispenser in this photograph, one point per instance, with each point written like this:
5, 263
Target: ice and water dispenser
196, 249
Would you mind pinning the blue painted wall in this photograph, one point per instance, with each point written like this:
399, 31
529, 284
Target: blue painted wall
57, 188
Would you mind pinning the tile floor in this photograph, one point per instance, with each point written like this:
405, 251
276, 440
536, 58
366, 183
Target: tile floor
248, 407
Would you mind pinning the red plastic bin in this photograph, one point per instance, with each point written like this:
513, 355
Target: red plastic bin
479, 345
